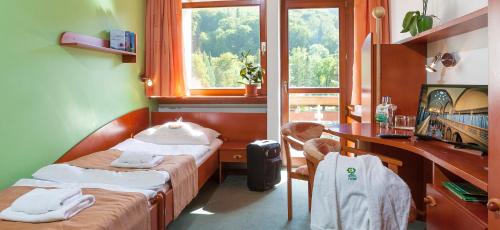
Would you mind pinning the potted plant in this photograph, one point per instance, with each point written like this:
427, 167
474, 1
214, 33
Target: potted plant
416, 22
251, 75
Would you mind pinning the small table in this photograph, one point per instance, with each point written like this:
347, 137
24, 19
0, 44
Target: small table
232, 152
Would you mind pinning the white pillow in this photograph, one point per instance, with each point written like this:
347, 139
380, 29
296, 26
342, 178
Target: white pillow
211, 134
178, 133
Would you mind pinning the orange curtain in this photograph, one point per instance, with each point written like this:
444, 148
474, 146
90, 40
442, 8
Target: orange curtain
364, 23
164, 58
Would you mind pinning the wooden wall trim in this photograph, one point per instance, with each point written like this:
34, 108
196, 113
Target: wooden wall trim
232, 126
110, 134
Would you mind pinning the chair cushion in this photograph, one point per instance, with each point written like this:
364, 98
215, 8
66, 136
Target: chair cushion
302, 170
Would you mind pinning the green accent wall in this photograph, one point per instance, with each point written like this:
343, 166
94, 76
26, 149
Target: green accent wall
51, 97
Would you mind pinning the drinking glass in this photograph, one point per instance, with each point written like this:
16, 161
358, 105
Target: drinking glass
411, 121
400, 121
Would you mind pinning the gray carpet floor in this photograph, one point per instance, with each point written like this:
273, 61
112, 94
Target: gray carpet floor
232, 206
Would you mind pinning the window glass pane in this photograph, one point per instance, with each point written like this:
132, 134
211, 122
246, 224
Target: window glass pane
313, 47
317, 107
213, 41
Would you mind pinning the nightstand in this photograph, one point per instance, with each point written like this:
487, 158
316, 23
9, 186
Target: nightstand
232, 152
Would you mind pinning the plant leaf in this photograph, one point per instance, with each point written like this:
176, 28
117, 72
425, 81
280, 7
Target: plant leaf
407, 21
413, 26
424, 23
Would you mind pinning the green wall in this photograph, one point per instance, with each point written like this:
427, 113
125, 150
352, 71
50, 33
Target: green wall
52, 96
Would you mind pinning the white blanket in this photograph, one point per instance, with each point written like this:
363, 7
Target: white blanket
40, 201
64, 213
197, 151
358, 193
64, 173
50, 184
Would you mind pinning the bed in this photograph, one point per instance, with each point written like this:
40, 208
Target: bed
118, 134
115, 207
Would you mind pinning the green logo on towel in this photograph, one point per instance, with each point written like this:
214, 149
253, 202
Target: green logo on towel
351, 174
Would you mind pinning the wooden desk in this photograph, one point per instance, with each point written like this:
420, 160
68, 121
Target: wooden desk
428, 162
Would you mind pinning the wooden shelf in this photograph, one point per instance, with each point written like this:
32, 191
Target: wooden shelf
211, 100
92, 43
469, 22
478, 210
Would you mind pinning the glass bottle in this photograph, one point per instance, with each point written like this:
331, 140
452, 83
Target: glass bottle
382, 112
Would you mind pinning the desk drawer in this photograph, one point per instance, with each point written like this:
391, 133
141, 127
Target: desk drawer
233, 156
449, 213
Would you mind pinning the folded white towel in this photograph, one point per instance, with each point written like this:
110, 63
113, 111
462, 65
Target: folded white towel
64, 173
136, 157
50, 184
64, 213
140, 165
40, 201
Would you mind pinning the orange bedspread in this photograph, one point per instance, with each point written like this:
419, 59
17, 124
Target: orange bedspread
182, 169
111, 211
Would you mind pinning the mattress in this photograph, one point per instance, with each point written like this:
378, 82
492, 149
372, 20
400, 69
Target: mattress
199, 152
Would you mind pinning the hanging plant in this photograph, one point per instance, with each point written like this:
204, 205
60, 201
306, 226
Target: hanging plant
416, 22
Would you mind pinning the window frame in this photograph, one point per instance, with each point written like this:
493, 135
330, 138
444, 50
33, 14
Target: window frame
197, 4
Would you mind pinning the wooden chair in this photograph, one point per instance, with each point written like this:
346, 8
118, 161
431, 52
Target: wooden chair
316, 149
294, 135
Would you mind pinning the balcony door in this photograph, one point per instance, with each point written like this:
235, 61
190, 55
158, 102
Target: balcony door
314, 58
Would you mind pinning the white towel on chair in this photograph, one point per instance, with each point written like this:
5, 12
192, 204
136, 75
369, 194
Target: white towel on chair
64, 213
358, 193
139, 165
40, 201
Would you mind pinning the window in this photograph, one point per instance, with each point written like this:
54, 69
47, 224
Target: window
312, 65
215, 34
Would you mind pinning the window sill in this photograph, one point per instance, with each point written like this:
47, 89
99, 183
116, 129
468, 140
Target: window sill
211, 100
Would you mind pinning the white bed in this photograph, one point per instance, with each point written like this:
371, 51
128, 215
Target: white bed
147, 179
199, 152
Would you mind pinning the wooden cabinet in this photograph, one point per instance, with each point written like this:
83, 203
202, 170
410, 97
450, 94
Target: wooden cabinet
233, 156
446, 211
494, 112
402, 73
231, 152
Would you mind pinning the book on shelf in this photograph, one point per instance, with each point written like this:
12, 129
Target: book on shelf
123, 40
466, 191
127, 41
132, 42
117, 39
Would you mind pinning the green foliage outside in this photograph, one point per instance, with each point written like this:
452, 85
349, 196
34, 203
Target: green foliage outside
313, 48
221, 34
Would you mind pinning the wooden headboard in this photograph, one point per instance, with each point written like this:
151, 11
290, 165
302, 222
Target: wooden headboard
110, 134
232, 126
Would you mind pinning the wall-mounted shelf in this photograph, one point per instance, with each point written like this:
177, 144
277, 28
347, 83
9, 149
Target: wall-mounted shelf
88, 42
469, 22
